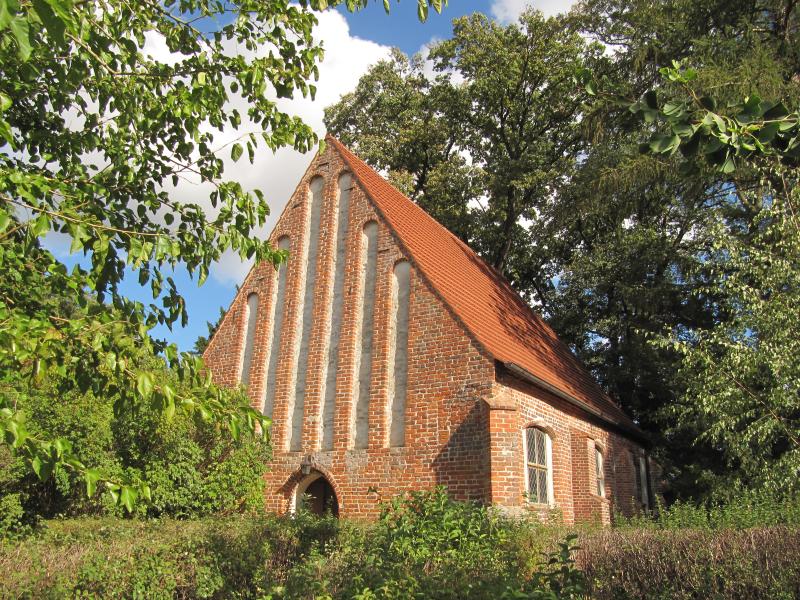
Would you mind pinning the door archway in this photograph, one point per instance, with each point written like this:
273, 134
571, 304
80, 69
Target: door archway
316, 495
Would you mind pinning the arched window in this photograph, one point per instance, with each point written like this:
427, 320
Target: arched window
600, 476
538, 466
251, 320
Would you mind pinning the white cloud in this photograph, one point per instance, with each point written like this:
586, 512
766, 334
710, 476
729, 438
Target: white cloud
428, 67
507, 11
347, 58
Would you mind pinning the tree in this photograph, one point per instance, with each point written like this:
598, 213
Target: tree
740, 373
94, 135
613, 247
484, 145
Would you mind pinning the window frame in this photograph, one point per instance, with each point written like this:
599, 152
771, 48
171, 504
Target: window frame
641, 466
547, 466
599, 471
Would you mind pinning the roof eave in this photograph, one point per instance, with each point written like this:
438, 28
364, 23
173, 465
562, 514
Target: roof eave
621, 427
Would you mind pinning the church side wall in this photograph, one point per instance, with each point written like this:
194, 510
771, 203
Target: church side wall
446, 377
516, 405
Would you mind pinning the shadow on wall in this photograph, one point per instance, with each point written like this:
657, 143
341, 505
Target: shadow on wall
462, 464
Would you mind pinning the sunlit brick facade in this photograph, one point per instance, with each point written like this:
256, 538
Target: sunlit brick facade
391, 358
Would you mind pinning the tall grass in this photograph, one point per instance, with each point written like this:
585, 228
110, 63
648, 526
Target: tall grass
424, 546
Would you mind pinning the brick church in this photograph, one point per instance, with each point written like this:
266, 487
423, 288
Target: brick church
390, 357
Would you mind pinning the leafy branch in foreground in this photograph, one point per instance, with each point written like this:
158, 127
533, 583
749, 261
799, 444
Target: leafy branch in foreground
697, 126
739, 374
105, 108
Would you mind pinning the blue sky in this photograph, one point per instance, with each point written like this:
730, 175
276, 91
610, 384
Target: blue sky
352, 43
402, 29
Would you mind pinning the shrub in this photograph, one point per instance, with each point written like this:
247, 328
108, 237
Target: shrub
747, 509
692, 563
424, 546
193, 468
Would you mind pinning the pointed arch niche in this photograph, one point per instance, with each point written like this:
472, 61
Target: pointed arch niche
275, 317
251, 320
369, 265
401, 296
295, 425
337, 311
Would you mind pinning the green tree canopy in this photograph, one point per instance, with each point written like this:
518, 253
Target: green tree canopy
95, 133
545, 175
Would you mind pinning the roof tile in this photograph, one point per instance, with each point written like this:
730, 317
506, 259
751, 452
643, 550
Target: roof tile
498, 318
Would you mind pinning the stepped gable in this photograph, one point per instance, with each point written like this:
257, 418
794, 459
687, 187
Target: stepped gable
496, 316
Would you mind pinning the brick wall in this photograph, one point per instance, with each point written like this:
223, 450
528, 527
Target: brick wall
464, 421
573, 436
448, 376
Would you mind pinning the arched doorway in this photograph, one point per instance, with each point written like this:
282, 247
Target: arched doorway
316, 495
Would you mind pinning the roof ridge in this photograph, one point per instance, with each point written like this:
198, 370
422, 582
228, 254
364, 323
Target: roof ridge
510, 326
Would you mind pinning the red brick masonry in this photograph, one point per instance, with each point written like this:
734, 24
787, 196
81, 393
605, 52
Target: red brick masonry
481, 368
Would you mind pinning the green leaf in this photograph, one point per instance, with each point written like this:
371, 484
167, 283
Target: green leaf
5, 219
5, 101
91, 477
5, 15
40, 225
36, 465
144, 384
673, 109
54, 24
422, 10
127, 497
777, 111
664, 143
719, 122
20, 28
386, 6
729, 165
113, 491
768, 132
6, 133
236, 151
708, 103
752, 106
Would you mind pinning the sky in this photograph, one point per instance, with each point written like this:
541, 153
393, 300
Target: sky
353, 42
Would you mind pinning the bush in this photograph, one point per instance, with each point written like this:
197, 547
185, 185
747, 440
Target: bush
749, 508
692, 564
424, 546
193, 468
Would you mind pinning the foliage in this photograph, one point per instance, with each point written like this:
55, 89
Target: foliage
96, 132
739, 375
747, 131
298, 556
192, 467
743, 509
742, 376
303, 556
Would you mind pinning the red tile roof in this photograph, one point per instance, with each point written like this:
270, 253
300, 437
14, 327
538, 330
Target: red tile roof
496, 316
